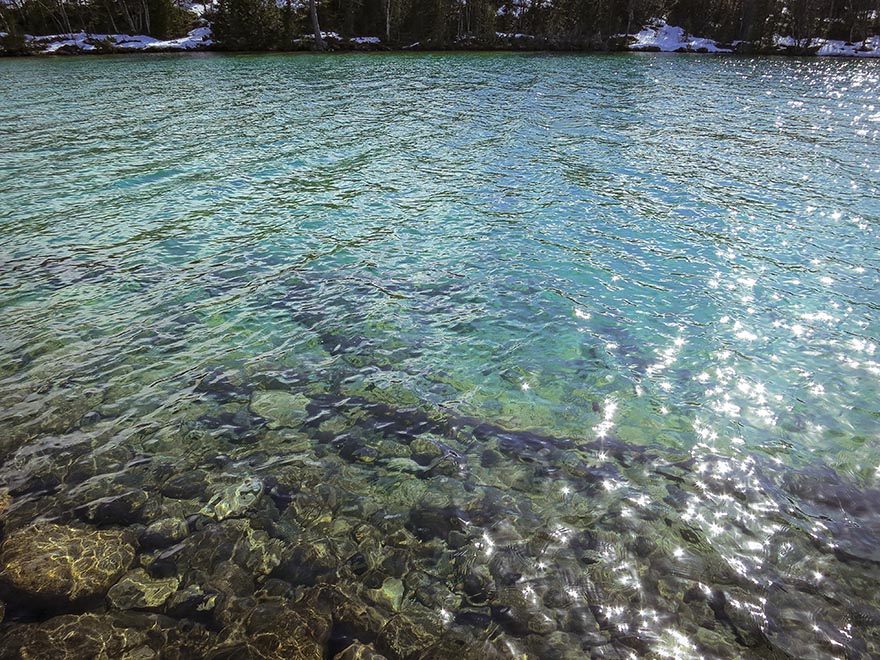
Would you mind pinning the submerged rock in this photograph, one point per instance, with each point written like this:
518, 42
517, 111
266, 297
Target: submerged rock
164, 532
358, 651
281, 409
137, 590
411, 634
52, 562
389, 595
189, 485
123, 509
235, 500
5, 503
274, 629
104, 637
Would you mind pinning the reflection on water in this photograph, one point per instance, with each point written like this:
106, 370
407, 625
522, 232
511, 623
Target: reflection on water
439, 356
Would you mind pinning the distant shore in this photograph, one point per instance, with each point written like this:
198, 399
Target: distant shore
658, 37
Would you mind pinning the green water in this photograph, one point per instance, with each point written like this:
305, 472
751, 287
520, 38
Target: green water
589, 344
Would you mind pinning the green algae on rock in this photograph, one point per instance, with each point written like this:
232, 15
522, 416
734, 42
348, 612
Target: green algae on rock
49, 561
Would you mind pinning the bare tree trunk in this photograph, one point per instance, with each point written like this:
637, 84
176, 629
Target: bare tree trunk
65, 18
111, 17
128, 18
387, 21
319, 40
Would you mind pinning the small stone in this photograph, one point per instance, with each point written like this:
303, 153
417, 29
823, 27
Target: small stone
541, 624
137, 590
124, 509
358, 651
5, 502
389, 595
274, 630
281, 409
163, 533
187, 486
235, 500
51, 562
192, 602
389, 449
406, 636
425, 450
404, 465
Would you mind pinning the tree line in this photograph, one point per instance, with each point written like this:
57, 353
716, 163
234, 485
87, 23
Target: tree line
562, 24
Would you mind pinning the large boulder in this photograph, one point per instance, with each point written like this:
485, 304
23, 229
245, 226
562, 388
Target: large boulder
53, 563
134, 635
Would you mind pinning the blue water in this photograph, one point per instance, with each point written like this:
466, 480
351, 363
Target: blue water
631, 300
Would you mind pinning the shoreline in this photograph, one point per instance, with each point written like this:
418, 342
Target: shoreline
658, 38
103, 52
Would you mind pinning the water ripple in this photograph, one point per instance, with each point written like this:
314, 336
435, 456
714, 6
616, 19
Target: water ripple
642, 289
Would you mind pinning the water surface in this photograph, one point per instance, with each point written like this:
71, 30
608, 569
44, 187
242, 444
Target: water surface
572, 356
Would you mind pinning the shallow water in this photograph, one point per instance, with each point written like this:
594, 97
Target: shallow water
556, 356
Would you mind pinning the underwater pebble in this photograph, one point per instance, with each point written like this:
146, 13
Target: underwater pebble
389, 595
424, 450
191, 602
411, 634
164, 532
137, 590
186, 486
358, 651
235, 500
124, 509
5, 502
276, 630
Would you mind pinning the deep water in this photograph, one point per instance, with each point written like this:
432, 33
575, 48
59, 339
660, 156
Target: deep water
439, 356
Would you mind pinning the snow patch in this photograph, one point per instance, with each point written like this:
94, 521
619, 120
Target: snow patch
517, 8
513, 35
670, 38
870, 47
365, 40
86, 41
200, 8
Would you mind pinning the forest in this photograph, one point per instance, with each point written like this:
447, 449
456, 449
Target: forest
441, 24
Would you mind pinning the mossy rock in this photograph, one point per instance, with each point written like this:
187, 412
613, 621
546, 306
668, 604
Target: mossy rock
53, 562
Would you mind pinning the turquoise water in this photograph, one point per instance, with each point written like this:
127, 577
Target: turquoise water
588, 344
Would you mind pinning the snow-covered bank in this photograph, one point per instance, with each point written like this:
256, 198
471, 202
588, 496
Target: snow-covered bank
657, 36
870, 47
85, 42
660, 37
671, 39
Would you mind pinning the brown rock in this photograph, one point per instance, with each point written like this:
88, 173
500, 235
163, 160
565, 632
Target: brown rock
51, 562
